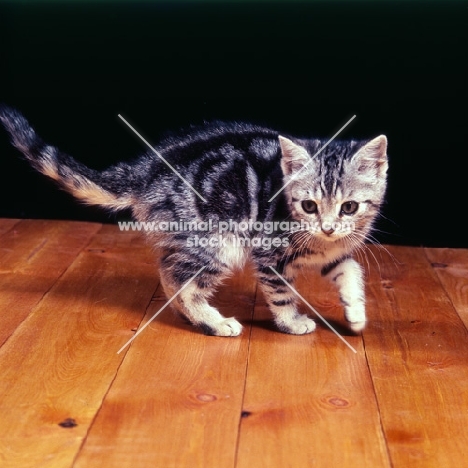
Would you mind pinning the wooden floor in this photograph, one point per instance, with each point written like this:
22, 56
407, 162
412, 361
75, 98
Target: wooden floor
72, 294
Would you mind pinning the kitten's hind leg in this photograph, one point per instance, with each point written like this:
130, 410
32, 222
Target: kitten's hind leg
192, 301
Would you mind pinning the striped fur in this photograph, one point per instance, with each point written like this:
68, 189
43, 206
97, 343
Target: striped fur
237, 168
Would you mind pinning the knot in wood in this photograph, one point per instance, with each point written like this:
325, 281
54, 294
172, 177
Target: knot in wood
206, 397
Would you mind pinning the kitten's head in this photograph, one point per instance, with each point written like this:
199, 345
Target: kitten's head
337, 192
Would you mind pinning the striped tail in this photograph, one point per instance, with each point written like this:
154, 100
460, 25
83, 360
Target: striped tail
86, 184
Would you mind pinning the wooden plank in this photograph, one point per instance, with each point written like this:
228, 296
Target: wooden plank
417, 350
6, 224
62, 359
309, 399
177, 399
451, 266
33, 255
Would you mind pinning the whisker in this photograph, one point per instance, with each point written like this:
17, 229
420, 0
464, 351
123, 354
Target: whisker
372, 240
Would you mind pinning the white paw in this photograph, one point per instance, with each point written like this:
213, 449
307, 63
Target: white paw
356, 314
357, 326
299, 325
227, 327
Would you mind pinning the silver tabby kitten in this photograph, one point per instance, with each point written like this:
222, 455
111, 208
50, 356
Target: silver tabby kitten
324, 213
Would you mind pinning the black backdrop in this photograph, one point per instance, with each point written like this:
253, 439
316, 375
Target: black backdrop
304, 68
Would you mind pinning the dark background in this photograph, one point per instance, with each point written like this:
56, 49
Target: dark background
304, 68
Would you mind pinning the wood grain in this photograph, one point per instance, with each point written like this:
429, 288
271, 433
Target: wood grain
72, 294
417, 349
7, 224
33, 255
451, 267
62, 359
177, 399
309, 399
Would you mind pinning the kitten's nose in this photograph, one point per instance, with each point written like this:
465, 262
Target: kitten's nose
328, 231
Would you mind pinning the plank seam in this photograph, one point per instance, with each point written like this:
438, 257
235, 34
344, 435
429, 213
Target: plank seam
34, 307
236, 454
111, 383
441, 283
382, 428
18, 221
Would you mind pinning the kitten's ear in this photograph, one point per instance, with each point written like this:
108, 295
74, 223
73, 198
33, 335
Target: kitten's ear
294, 156
373, 157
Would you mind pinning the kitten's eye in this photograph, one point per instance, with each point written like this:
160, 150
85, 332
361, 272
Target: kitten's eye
349, 208
309, 206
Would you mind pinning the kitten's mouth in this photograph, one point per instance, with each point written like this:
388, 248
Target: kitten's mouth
313, 237
328, 237
331, 237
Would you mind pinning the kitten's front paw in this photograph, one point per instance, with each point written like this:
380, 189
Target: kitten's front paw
298, 325
227, 327
357, 326
356, 316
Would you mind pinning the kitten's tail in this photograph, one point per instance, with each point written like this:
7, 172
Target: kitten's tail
84, 183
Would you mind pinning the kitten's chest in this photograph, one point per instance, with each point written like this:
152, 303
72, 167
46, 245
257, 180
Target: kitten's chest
318, 257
